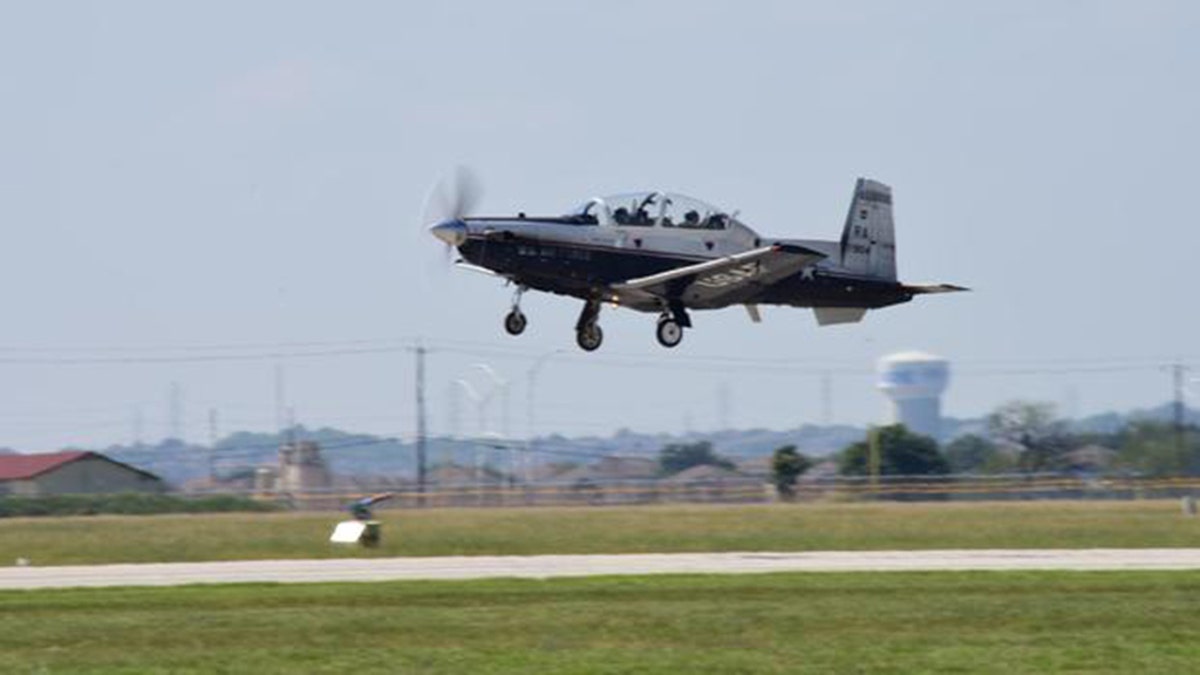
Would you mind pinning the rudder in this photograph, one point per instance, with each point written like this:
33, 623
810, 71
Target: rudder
868, 244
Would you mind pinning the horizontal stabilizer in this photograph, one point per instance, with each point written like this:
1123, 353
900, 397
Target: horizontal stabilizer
918, 289
827, 316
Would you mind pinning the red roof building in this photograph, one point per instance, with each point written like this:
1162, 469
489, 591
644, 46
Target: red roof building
72, 472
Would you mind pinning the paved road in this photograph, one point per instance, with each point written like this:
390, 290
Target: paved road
545, 566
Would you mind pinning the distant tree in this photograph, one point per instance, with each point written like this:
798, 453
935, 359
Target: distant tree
975, 454
676, 457
786, 466
1154, 449
901, 453
1043, 439
1018, 420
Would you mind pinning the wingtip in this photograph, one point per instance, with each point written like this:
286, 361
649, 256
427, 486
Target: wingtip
935, 288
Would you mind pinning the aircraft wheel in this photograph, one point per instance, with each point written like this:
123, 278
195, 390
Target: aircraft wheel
514, 322
589, 337
669, 332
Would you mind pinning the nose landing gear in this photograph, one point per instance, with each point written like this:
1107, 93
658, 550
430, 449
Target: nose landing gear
514, 321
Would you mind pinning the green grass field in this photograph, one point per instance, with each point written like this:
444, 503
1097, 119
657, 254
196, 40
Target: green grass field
1004, 622
665, 528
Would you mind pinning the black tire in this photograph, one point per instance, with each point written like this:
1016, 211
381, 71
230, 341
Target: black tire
589, 338
514, 323
669, 333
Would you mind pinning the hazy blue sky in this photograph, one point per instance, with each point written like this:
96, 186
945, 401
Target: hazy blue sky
236, 174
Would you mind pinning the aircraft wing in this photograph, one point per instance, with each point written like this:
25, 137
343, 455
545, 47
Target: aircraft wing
721, 279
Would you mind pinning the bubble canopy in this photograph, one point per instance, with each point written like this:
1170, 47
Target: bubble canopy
650, 209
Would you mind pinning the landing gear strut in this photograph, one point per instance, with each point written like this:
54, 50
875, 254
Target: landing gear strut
514, 321
587, 332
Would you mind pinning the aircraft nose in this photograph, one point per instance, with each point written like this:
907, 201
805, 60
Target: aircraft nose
453, 232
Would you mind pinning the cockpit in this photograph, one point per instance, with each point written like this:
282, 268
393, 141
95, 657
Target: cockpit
652, 209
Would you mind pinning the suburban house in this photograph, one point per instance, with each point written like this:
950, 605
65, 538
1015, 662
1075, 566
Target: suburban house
71, 472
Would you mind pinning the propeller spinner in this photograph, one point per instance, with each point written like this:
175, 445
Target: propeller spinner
452, 198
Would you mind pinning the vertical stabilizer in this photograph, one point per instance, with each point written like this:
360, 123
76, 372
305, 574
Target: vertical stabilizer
868, 245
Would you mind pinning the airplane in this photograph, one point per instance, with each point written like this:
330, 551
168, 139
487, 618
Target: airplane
666, 253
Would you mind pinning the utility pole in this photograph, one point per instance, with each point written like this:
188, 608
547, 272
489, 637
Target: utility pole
1178, 371
479, 402
290, 429
280, 400
530, 409
175, 411
212, 447
873, 457
422, 468
826, 398
723, 406
139, 424
503, 386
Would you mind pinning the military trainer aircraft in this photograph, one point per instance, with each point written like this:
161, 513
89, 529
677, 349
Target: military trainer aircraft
666, 253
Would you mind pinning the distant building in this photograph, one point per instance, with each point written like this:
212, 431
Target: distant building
709, 473
760, 466
914, 383
1090, 459
610, 469
457, 475
72, 472
300, 469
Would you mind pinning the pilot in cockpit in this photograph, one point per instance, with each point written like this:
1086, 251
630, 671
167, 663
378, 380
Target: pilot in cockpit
691, 219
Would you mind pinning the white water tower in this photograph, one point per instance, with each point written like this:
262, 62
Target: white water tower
914, 382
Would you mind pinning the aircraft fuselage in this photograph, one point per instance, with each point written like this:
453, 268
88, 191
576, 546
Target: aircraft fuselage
669, 253
580, 260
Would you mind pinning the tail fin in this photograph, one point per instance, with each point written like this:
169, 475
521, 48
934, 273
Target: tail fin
868, 245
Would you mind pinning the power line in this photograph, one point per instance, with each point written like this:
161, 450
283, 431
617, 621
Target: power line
258, 351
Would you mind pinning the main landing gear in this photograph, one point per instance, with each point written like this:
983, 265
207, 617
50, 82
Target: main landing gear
671, 324
587, 331
669, 332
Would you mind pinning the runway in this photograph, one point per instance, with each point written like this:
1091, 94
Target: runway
550, 566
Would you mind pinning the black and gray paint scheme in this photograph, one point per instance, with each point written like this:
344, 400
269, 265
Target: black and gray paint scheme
667, 254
